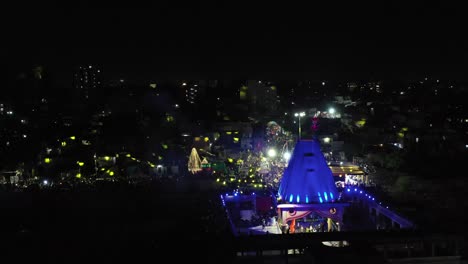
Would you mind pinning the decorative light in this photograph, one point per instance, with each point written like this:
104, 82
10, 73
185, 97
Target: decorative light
331, 110
271, 153
287, 156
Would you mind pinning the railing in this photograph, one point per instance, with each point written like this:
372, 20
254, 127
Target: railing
389, 244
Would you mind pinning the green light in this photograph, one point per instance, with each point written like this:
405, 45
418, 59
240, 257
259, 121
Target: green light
72, 137
47, 160
78, 175
128, 155
111, 173
165, 146
107, 158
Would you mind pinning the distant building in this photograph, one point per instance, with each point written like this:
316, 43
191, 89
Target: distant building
261, 96
195, 90
87, 80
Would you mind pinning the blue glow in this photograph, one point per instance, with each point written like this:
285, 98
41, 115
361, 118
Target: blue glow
365, 194
387, 207
253, 193
307, 199
290, 198
326, 196
320, 199
355, 189
331, 195
235, 194
348, 190
360, 191
293, 180
298, 199
373, 199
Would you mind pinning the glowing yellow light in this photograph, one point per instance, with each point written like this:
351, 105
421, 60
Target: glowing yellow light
78, 175
128, 155
103, 169
217, 180
230, 160
80, 163
64, 143
107, 158
169, 118
236, 139
206, 139
228, 132
72, 137
111, 173
224, 182
47, 160
232, 179
242, 95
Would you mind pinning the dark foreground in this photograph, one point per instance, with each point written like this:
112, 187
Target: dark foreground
162, 222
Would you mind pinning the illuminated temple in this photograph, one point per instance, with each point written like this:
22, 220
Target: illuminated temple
308, 179
308, 190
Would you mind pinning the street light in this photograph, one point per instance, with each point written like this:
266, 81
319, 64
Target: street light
271, 153
299, 115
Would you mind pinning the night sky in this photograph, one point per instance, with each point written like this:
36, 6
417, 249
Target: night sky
285, 41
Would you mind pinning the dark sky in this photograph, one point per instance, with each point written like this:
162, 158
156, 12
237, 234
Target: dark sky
285, 40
